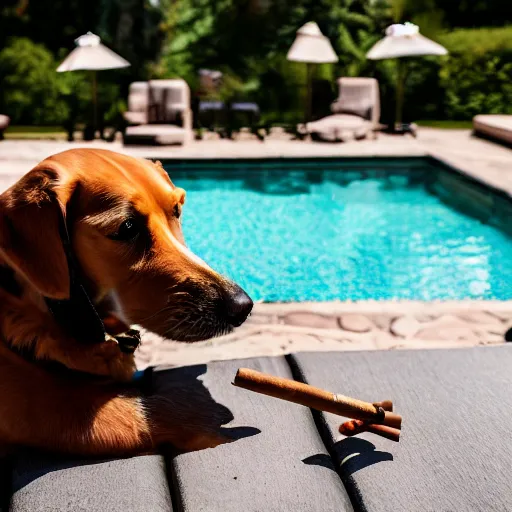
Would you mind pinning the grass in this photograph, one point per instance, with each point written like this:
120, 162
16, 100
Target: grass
34, 129
58, 133
35, 132
448, 125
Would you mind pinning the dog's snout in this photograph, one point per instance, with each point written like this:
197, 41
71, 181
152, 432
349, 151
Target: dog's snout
238, 306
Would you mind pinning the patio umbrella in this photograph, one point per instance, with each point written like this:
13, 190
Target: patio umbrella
311, 47
91, 55
403, 41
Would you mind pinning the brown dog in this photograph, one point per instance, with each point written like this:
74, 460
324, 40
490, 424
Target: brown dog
91, 240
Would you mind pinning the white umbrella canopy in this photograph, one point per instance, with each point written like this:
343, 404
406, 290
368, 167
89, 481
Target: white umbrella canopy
403, 40
311, 47
91, 55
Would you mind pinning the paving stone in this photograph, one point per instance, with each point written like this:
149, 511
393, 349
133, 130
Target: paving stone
480, 317
386, 341
425, 318
491, 337
496, 332
405, 326
356, 323
448, 334
502, 315
305, 319
261, 320
449, 318
383, 322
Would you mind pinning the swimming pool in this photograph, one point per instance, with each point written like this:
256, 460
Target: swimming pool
340, 230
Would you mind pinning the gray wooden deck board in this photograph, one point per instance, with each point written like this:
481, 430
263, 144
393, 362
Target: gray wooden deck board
45, 483
456, 448
285, 467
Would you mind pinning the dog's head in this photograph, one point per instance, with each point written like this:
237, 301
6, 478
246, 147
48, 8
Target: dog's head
123, 216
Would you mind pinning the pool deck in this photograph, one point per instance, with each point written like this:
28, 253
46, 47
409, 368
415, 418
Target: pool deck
282, 328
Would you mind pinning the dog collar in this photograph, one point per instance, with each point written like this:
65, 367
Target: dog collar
77, 315
143, 379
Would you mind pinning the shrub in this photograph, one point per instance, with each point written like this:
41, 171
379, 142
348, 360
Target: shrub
32, 91
477, 75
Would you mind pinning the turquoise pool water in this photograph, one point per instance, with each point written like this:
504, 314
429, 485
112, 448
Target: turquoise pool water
287, 234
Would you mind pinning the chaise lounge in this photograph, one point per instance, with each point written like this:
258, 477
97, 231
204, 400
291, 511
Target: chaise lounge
454, 453
356, 112
4, 123
159, 113
494, 127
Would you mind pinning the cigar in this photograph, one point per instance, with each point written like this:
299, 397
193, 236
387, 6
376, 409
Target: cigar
354, 427
387, 405
315, 398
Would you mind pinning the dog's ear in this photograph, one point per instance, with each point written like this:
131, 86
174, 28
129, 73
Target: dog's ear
31, 213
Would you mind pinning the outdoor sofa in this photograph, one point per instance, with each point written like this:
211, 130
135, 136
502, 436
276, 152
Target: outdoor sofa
159, 113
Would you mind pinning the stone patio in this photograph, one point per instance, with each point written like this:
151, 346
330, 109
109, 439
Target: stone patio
279, 329
276, 329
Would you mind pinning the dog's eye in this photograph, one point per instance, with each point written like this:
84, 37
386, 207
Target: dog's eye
127, 231
177, 211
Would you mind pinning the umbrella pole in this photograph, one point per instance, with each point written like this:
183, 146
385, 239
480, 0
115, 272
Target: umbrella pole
400, 91
309, 73
94, 102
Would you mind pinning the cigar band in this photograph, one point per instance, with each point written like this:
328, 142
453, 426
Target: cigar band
381, 414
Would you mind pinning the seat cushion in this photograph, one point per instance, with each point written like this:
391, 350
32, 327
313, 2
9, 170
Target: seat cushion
4, 122
455, 452
157, 133
136, 117
495, 126
339, 127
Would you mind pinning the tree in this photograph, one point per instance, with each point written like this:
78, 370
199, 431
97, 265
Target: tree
32, 91
132, 28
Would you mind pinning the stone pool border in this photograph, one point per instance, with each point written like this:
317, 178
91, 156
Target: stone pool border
281, 328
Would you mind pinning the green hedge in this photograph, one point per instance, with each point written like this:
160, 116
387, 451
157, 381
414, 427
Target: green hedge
33, 93
474, 78
477, 75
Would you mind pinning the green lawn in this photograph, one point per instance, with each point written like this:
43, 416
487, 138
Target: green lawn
57, 132
35, 132
448, 125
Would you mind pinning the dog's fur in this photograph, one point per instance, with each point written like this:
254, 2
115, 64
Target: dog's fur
150, 279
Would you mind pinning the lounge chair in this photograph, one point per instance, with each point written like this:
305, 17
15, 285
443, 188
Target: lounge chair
4, 123
454, 453
138, 103
159, 113
495, 127
356, 112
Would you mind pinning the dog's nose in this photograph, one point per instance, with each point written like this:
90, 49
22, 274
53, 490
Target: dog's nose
238, 306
